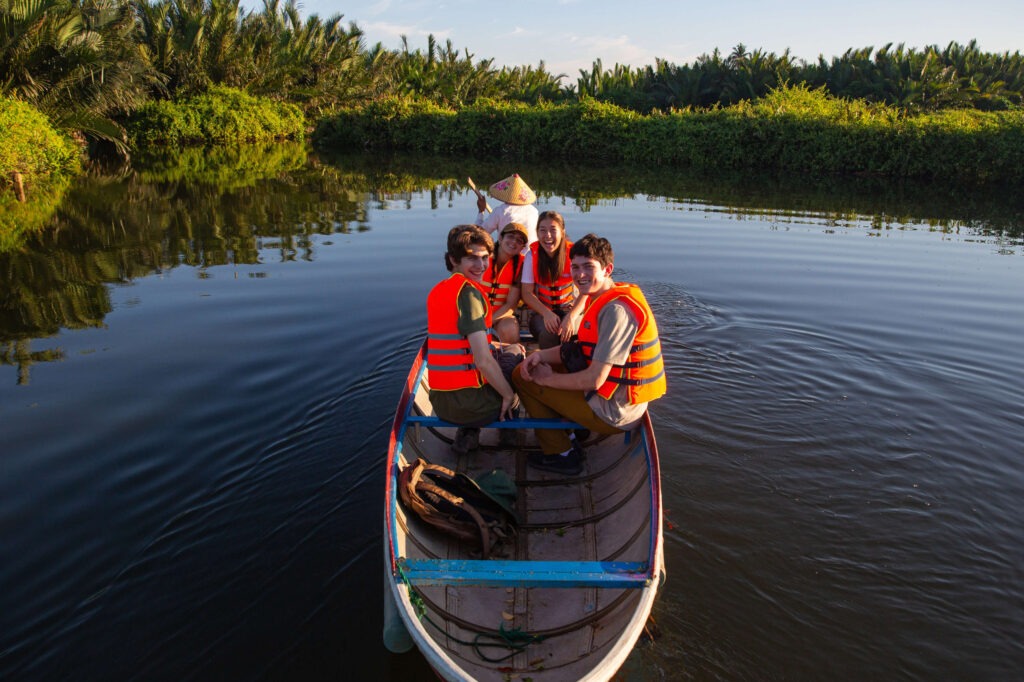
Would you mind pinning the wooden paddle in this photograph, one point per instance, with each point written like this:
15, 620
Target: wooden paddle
480, 196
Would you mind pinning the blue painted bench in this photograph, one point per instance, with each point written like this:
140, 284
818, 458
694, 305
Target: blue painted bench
620, 574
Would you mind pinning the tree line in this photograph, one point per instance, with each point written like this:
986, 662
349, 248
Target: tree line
88, 64
915, 80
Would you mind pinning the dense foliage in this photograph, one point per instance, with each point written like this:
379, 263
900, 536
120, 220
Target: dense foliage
185, 71
929, 79
29, 144
89, 63
220, 115
77, 61
792, 128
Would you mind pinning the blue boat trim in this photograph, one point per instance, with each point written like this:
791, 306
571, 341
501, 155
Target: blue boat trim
618, 574
523, 423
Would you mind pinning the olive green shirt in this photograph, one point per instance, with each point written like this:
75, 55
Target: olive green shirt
469, 406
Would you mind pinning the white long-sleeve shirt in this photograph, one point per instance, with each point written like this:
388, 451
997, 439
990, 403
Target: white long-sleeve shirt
510, 213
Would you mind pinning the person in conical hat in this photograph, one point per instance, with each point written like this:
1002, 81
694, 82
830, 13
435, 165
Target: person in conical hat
517, 207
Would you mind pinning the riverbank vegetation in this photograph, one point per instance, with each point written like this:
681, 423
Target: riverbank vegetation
793, 129
30, 148
219, 116
35, 161
117, 71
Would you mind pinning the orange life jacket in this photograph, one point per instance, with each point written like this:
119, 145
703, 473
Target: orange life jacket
551, 294
450, 363
643, 372
498, 285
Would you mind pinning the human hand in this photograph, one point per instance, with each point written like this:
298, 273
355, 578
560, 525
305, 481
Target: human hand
526, 366
568, 327
507, 403
541, 372
552, 321
481, 203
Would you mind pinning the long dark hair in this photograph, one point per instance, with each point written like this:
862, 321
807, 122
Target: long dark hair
552, 266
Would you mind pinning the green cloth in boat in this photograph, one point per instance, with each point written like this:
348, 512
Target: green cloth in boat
500, 487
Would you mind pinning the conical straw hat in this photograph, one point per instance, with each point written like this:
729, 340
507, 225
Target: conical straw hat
512, 190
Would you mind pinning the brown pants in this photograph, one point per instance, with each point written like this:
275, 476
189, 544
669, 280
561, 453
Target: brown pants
542, 402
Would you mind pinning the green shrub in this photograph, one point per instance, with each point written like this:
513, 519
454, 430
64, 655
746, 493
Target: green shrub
30, 145
793, 129
220, 116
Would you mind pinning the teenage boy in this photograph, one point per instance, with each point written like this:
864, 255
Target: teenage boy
467, 386
621, 372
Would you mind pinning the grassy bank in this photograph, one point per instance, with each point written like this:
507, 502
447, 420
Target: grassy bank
794, 129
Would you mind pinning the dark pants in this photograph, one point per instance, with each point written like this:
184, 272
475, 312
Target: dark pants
508, 362
545, 339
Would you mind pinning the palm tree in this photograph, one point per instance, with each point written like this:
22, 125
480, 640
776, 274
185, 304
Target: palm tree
75, 62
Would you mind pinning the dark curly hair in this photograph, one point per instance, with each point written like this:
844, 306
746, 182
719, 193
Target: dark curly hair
592, 246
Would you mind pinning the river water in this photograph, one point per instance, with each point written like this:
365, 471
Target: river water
201, 361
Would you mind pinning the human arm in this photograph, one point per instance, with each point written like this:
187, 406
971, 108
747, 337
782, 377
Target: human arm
551, 320
616, 330
472, 324
510, 303
571, 322
491, 222
543, 374
491, 371
541, 358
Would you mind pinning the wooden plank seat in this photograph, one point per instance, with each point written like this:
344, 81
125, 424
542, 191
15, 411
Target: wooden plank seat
617, 574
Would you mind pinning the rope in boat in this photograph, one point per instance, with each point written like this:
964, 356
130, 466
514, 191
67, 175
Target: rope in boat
514, 641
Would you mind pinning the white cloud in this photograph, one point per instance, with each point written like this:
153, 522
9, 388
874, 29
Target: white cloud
391, 34
580, 53
379, 7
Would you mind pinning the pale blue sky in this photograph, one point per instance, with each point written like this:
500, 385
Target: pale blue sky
570, 34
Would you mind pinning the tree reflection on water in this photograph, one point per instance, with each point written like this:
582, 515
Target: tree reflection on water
209, 207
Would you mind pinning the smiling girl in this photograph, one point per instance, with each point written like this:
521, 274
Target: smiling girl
547, 282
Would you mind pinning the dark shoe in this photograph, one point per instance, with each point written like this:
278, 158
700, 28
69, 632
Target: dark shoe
466, 439
581, 435
569, 465
508, 439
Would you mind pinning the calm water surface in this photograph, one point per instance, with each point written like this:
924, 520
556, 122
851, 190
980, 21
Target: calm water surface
198, 376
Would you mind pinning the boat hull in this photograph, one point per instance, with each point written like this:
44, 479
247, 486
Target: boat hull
568, 596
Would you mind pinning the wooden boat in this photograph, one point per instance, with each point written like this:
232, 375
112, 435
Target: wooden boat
574, 590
